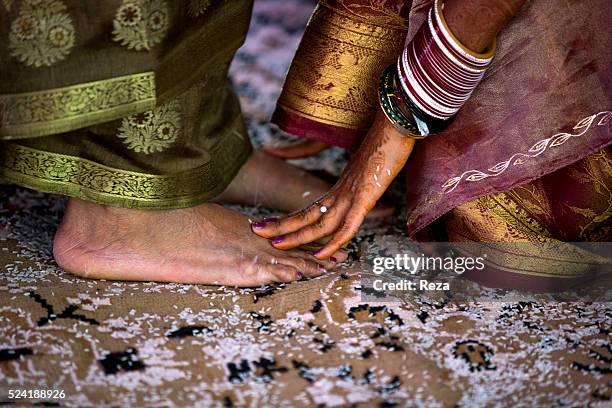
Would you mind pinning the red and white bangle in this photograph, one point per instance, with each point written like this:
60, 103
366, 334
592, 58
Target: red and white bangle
436, 71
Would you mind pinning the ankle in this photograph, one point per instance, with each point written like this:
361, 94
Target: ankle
88, 217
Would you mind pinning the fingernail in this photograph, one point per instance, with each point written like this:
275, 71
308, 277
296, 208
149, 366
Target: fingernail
300, 275
278, 240
258, 224
270, 219
332, 259
316, 253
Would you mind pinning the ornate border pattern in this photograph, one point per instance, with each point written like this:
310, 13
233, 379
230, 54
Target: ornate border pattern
73, 176
331, 77
58, 110
537, 149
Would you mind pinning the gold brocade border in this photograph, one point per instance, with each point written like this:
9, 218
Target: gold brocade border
506, 207
538, 260
59, 110
53, 111
515, 241
375, 14
333, 78
68, 175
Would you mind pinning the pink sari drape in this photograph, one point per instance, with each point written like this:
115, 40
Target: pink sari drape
545, 103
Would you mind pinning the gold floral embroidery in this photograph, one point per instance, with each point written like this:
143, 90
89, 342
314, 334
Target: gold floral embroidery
385, 17
598, 172
534, 200
59, 110
152, 131
141, 24
42, 34
198, 7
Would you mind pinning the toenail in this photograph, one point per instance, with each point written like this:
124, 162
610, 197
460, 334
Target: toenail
300, 275
258, 224
332, 259
270, 219
321, 267
278, 240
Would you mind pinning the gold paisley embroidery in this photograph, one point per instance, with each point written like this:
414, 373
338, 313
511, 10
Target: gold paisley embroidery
42, 34
331, 77
198, 7
152, 131
514, 241
60, 110
141, 24
598, 172
506, 208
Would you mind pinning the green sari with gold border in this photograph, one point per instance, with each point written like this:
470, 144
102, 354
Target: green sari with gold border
124, 103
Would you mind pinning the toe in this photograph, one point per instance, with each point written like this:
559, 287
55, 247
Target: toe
265, 271
329, 263
281, 273
308, 265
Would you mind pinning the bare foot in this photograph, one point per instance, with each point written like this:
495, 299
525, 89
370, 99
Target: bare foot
206, 244
268, 181
271, 182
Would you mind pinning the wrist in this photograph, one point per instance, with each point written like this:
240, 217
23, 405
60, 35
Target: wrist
384, 133
476, 23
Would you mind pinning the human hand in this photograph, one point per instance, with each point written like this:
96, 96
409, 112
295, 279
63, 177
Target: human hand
341, 211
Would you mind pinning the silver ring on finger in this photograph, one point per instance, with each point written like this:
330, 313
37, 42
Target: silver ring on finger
322, 207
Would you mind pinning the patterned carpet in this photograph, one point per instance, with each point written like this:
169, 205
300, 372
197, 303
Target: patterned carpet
311, 343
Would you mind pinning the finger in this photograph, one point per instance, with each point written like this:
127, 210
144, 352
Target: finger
303, 149
315, 245
347, 230
273, 227
310, 249
322, 227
